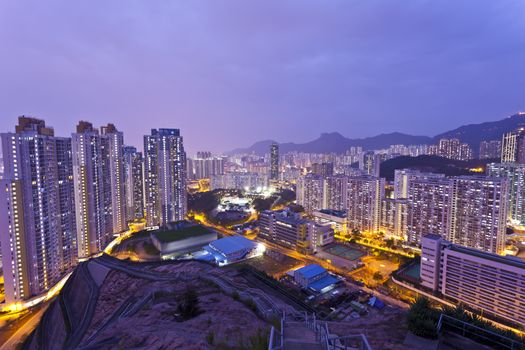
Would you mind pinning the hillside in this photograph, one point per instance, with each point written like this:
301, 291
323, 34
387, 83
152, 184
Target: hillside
432, 164
334, 142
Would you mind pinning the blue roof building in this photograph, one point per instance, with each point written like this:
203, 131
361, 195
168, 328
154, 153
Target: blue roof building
231, 249
315, 278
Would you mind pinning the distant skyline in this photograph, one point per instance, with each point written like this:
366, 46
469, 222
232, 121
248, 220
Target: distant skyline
231, 73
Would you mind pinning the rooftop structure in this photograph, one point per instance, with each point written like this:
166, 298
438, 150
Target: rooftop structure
181, 240
228, 250
315, 278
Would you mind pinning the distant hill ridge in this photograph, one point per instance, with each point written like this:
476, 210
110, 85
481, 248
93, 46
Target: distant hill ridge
334, 142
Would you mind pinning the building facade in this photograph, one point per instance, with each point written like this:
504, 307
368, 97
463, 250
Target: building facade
165, 177
364, 202
478, 213
515, 175
92, 190
133, 183
486, 282
490, 149
274, 161
36, 228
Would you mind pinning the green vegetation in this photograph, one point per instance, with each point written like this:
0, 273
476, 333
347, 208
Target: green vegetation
189, 306
262, 204
250, 304
435, 164
180, 234
377, 276
210, 337
203, 202
423, 318
260, 340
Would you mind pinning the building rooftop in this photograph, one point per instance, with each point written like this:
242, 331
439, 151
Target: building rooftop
167, 236
432, 236
324, 282
228, 245
507, 260
338, 213
310, 271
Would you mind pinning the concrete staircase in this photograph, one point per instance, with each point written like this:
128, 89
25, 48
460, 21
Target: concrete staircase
298, 336
301, 331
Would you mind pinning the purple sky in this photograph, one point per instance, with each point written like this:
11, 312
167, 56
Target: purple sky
229, 73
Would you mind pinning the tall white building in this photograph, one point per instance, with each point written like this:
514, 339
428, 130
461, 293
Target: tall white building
36, 225
479, 213
370, 163
310, 192
165, 177
335, 192
515, 174
513, 147
113, 140
364, 202
92, 183
428, 201
133, 183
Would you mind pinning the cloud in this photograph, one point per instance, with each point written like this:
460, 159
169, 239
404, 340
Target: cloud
229, 73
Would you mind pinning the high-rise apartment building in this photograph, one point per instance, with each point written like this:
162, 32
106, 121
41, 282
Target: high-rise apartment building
370, 163
488, 282
454, 149
513, 147
36, 225
66, 193
323, 169
364, 202
479, 213
310, 192
335, 192
165, 177
240, 181
133, 183
112, 150
467, 210
394, 217
205, 166
490, 149
274, 161
428, 200
515, 175
92, 189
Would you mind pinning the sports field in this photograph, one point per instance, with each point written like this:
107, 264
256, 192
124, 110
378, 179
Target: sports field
344, 252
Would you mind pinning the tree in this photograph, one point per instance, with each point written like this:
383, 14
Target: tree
189, 306
422, 319
377, 276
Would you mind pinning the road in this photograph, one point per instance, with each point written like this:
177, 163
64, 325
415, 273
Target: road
24, 329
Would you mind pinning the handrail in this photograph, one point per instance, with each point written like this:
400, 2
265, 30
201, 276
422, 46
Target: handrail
479, 332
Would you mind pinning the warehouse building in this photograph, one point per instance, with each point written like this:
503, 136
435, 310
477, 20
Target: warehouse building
232, 249
315, 278
184, 238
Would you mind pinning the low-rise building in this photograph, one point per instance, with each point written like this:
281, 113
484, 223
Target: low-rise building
293, 231
315, 278
337, 219
232, 249
484, 281
182, 239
